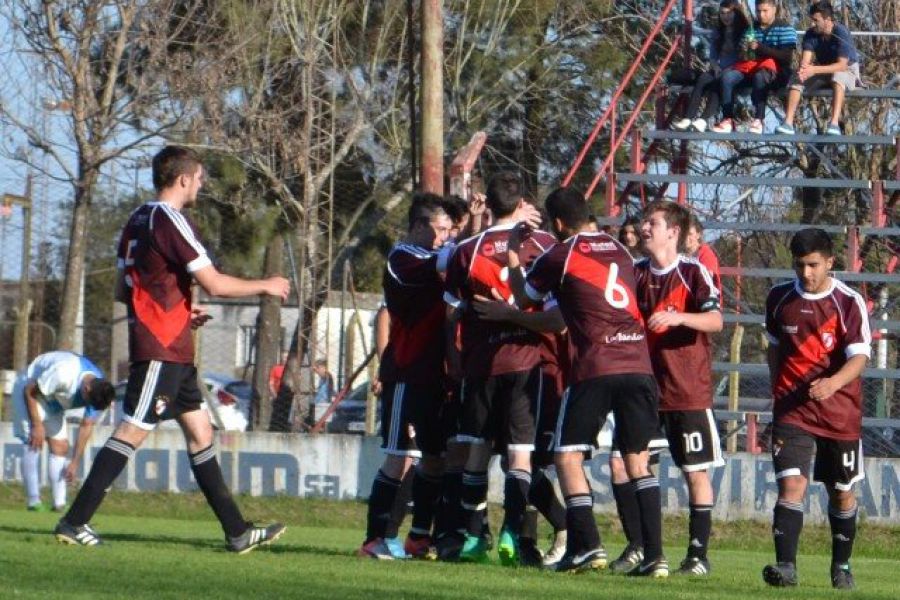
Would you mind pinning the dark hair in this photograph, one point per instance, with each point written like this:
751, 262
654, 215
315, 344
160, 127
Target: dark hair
694, 221
424, 207
741, 24
102, 394
504, 191
813, 239
675, 215
633, 221
569, 206
455, 207
771, 2
823, 8
172, 162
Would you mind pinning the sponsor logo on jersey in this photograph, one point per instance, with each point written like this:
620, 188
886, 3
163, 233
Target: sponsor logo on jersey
588, 247
624, 337
791, 329
496, 247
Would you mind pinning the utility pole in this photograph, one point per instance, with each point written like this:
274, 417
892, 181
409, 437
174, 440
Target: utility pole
20, 336
432, 179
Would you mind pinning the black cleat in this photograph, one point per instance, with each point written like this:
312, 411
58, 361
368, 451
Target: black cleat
529, 554
81, 535
254, 537
655, 569
694, 566
449, 546
628, 561
780, 574
588, 561
841, 577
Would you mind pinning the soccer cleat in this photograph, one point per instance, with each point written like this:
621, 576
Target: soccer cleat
681, 124
254, 537
785, 129
782, 574
694, 566
529, 554
723, 126
841, 577
81, 535
755, 126
421, 548
833, 129
39, 507
474, 549
628, 561
395, 547
557, 550
588, 561
508, 548
699, 125
449, 546
655, 569
375, 548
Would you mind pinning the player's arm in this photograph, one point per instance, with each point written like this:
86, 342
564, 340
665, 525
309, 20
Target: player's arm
546, 321
121, 290
706, 322
514, 267
219, 284
85, 431
825, 387
382, 330
36, 439
773, 358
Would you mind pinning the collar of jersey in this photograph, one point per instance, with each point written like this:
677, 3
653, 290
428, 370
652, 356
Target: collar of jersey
665, 270
819, 296
501, 227
575, 235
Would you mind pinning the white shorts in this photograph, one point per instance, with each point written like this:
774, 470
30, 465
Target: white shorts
54, 422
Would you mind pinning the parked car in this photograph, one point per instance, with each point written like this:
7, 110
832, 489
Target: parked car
350, 414
228, 400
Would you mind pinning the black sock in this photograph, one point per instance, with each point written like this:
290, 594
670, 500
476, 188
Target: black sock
629, 512
209, 478
786, 527
843, 532
448, 518
384, 491
515, 499
473, 500
542, 496
530, 525
402, 505
699, 529
647, 493
107, 465
426, 493
580, 523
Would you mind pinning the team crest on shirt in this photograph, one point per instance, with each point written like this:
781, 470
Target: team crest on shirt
776, 446
161, 403
828, 340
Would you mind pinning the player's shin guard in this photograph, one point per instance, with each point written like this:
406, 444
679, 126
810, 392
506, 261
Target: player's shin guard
629, 512
699, 528
426, 494
473, 500
402, 505
647, 493
31, 476
384, 492
209, 478
542, 496
582, 528
55, 468
786, 526
109, 462
843, 532
515, 499
449, 518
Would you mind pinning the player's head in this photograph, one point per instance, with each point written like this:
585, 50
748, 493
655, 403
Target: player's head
458, 211
567, 210
630, 234
694, 238
664, 226
504, 194
429, 224
822, 16
101, 394
813, 254
179, 171
766, 11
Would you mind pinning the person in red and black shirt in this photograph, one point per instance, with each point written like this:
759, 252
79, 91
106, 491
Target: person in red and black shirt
680, 304
411, 373
694, 246
819, 342
501, 367
159, 257
591, 276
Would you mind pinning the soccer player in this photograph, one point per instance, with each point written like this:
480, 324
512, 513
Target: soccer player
591, 276
500, 362
53, 383
159, 255
680, 304
412, 380
819, 342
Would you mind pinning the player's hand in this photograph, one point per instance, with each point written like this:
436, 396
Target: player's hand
822, 389
517, 235
199, 316
277, 286
663, 320
530, 215
376, 387
68, 473
477, 204
492, 310
36, 439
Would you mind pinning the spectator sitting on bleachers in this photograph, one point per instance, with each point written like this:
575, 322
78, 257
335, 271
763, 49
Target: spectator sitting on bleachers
829, 59
724, 44
768, 48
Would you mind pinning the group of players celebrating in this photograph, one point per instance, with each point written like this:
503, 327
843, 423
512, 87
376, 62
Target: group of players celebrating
522, 343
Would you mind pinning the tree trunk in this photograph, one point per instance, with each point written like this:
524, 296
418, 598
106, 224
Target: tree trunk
268, 339
71, 293
432, 179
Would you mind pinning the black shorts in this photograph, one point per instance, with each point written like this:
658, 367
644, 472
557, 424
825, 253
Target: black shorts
549, 400
632, 397
411, 419
499, 410
158, 390
451, 411
693, 439
839, 463
658, 443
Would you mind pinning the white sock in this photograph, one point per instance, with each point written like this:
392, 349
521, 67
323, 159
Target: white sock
30, 475
57, 483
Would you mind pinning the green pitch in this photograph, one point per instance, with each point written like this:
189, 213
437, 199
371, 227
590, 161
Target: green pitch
176, 551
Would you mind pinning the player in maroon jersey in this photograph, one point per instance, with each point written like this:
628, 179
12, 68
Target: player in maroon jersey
680, 304
591, 276
500, 363
411, 375
159, 257
819, 342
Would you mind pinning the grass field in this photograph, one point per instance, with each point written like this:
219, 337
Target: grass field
175, 550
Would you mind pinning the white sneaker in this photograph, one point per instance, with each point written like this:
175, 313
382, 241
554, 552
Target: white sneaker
756, 126
724, 126
699, 125
681, 124
556, 551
